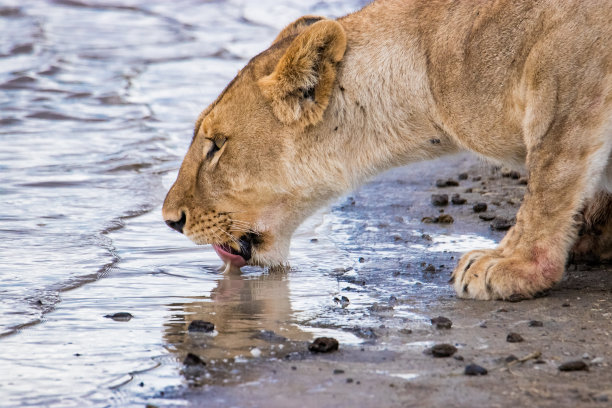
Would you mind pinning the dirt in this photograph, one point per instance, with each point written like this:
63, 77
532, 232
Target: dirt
388, 367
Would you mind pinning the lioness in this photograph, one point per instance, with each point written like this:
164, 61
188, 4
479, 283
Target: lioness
333, 102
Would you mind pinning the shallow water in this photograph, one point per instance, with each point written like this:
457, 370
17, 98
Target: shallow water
97, 103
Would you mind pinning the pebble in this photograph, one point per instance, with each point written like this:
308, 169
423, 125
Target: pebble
193, 360
439, 199
462, 176
479, 207
255, 352
487, 217
475, 369
514, 338
120, 316
535, 323
323, 345
501, 224
430, 268
442, 350
441, 322
577, 365
200, 326
456, 199
445, 219
338, 371
446, 183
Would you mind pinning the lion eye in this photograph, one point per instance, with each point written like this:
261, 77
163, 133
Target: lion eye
215, 146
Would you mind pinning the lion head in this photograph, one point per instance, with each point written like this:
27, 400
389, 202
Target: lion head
255, 170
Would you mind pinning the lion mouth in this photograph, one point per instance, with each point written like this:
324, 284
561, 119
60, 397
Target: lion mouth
237, 257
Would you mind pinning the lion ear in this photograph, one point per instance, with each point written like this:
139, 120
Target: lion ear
300, 86
297, 27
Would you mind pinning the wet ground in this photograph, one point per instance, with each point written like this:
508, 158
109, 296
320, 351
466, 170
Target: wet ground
98, 99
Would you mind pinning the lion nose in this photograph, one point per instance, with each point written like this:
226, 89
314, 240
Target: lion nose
178, 225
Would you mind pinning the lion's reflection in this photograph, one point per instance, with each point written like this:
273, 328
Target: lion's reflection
248, 312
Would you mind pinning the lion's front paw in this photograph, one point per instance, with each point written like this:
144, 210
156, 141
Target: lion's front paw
486, 274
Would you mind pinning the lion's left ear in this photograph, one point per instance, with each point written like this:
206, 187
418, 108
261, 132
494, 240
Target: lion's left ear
300, 85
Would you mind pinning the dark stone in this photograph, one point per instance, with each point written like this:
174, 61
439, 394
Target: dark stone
200, 326
442, 350
577, 365
444, 219
338, 371
456, 199
441, 322
479, 207
193, 360
486, 217
120, 316
501, 224
535, 323
475, 369
430, 268
462, 176
439, 199
323, 345
514, 338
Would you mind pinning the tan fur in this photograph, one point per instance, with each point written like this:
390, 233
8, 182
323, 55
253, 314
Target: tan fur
331, 103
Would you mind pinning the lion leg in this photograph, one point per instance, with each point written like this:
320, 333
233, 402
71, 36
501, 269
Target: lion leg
565, 165
594, 243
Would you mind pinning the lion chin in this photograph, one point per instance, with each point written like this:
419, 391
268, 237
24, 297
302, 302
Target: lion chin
332, 103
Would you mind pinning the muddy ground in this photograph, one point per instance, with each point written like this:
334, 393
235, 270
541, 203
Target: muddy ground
391, 368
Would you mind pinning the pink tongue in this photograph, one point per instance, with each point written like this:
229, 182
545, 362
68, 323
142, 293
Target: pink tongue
234, 260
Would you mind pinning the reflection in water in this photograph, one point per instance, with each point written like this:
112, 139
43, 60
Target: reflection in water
252, 317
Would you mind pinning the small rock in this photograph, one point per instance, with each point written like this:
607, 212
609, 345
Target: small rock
476, 178
514, 338
427, 220
456, 199
426, 237
430, 268
445, 219
446, 183
323, 345
501, 224
193, 360
462, 176
120, 316
486, 217
565, 305
349, 380
479, 207
458, 358
200, 326
577, 365
439, 199
442, 350
475, 369
441, 322
313, 240
522, 181
338, 371
535, 323
361, 259
255, 352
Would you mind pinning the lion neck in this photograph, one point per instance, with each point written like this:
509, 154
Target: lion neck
381, 113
